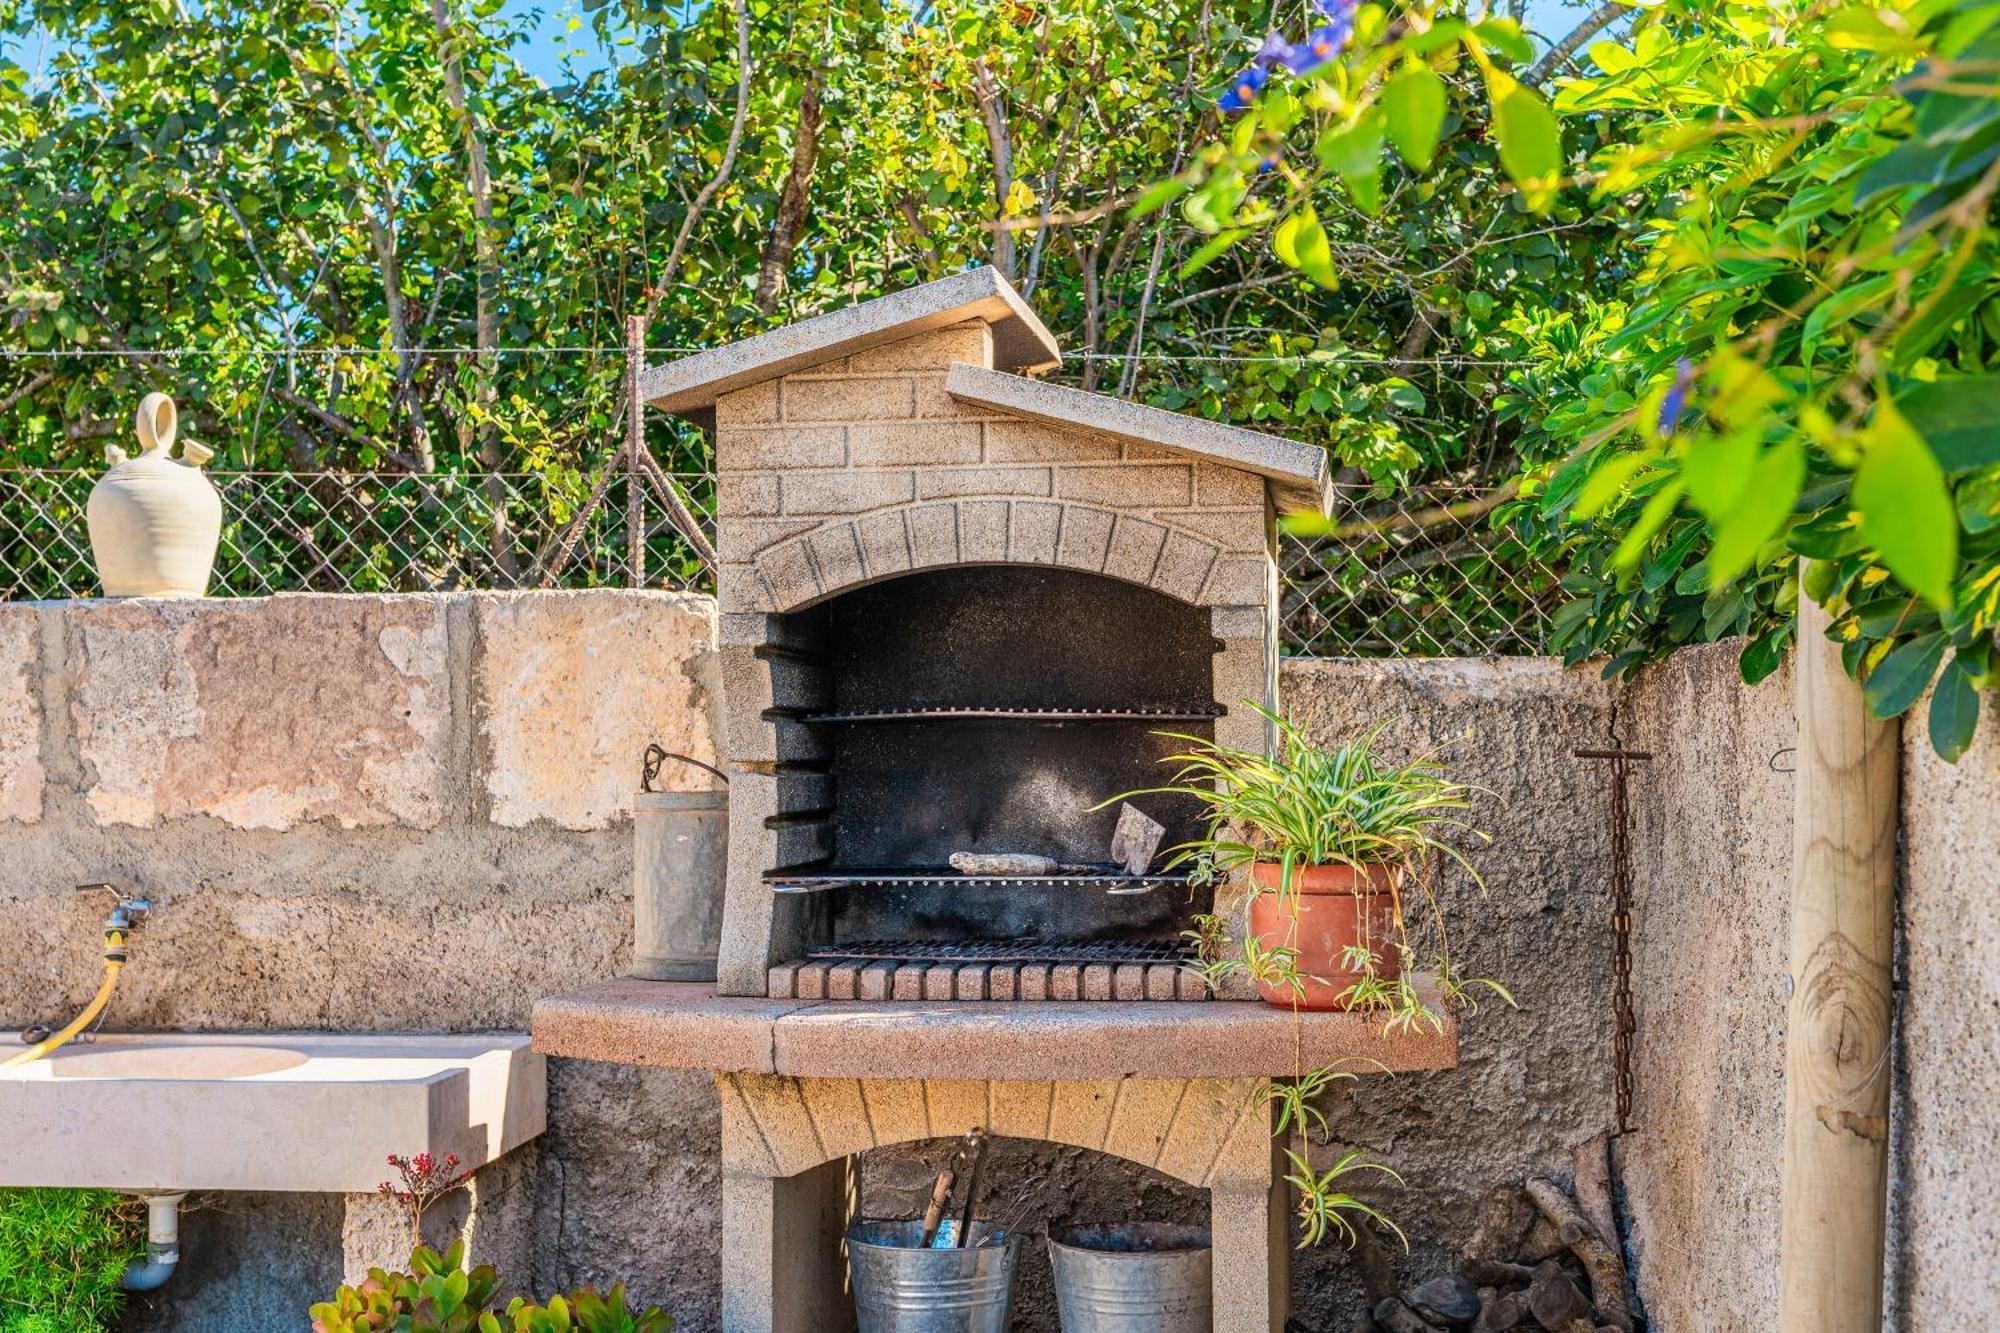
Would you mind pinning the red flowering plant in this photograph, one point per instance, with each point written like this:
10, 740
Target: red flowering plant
426, 1179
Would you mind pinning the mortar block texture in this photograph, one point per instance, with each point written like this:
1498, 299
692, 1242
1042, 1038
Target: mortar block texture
21, 771
264, 713
570, 687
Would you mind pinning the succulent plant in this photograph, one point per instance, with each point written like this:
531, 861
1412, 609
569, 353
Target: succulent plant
584, 1311
439, 1295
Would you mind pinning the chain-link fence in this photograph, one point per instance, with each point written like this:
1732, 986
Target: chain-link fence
1424, 574
370, 532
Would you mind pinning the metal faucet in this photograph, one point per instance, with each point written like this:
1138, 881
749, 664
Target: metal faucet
128, 912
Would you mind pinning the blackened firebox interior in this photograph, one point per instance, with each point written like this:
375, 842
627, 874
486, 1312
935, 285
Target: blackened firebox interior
989, 709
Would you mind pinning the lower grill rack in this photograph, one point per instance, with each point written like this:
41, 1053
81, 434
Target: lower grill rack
1035, 970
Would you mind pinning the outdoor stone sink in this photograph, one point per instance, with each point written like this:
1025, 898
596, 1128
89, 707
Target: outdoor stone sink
264, 1111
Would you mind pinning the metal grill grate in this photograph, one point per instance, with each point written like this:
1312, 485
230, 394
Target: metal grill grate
1003, 951
1142, 713
1090, 878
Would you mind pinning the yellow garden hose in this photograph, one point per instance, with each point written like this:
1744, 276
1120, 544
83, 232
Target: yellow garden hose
114, 963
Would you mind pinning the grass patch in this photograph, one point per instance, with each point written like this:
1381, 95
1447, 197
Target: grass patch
61, 1252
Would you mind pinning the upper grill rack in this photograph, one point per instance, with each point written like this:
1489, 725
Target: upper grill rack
1110, 880
952, 713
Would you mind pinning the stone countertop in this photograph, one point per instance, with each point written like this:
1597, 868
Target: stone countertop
685, 1025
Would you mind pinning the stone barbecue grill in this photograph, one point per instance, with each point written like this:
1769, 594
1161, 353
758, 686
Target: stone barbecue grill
958, 604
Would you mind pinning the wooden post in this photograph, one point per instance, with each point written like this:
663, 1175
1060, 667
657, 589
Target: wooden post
1837, 1042
635, 448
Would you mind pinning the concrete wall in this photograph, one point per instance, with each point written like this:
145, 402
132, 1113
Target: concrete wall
366, 813
1945, 1136
1533, 1082
1711, 860
408, 813
1712, 837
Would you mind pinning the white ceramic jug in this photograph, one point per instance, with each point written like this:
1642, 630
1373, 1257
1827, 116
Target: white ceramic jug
155, 521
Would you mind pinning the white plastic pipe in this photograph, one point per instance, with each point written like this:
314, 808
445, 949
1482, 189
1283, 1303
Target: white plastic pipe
163, 1244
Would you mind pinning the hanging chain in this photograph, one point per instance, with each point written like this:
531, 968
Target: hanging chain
1625, 1027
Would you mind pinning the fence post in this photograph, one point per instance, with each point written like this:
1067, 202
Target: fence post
635, 448
1837, 1040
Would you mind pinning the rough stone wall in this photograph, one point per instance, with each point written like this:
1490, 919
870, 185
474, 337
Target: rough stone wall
863, 467
1712, 861
366, 813
354, 812
1531, 1082
415, 820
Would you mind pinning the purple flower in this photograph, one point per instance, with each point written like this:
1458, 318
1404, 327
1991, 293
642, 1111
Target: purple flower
1243, 89
1674, 406
1275, 51
1339, 11
1321, 45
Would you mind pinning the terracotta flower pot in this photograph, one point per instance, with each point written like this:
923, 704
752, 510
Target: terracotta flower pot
1339, 907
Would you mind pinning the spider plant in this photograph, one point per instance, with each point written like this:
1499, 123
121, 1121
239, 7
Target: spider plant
1315, 805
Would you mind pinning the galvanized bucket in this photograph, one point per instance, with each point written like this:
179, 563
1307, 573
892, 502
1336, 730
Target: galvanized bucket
680, 848
1134, 1277
899, 1288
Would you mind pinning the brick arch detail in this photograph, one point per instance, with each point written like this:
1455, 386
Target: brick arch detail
1210, 1133
812, 566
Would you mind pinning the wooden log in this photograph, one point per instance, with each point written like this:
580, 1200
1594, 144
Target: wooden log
1445, 1299
1373, 1265
1506, 1311
1504, 1218
1554, 1300
1595, 1199
1592, 1173
1396, 1317
1839, 1019
1602, 1262
1541, 1242
1495, 1273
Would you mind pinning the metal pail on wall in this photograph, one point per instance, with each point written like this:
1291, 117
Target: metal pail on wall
1132, 1277
680, 854
900, 1288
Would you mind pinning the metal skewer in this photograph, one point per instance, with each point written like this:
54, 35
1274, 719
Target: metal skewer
975, 1143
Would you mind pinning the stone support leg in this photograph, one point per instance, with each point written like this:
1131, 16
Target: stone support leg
1252, 1256
783, 1265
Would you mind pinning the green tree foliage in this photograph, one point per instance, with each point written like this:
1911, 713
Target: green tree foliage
1804, 363
1392, 230
295, 174
1794, 357
61, 1254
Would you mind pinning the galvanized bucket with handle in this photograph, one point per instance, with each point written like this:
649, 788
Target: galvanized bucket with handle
1133, 1277
902, 1288
680, 851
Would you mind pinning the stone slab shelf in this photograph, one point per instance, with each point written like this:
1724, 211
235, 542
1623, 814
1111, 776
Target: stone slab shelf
264, 1110
685, 1025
